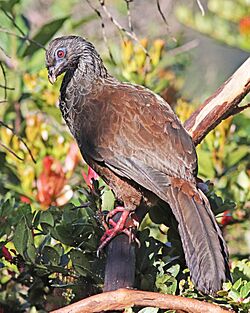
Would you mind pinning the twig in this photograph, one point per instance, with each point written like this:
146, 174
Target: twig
6, 87
123, 298
184, 48
201, 7
5, 80
11, 151
20, 138
130, 34
103, 30
237, 110
162, 14
223, 103
4, 52
130, 25
164, 20
6, 31
11, 18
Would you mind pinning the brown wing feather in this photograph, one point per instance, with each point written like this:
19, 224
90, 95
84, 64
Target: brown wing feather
132, 121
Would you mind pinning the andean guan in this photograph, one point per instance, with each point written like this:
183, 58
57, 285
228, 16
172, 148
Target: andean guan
131, 137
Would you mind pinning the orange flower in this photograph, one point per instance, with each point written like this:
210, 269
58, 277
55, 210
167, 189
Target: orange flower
50, 182
244, 25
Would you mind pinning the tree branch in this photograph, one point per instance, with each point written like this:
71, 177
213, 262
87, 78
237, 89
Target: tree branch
222, 104
123, 298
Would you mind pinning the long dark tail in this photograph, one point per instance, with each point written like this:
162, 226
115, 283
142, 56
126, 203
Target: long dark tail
205, 249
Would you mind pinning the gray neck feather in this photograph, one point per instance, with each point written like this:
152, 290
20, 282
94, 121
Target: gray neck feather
91, 64
81, 81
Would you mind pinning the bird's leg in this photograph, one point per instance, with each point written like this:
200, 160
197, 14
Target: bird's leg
125, 224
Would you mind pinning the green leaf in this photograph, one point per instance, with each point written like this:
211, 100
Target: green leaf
234, 295
235, 156
237, 284
63, 233
50, 256
80, 262
245, 290
36, 218
44, 35
174, 270
31, 250
21, 237
8, 4
47, 218
206, 167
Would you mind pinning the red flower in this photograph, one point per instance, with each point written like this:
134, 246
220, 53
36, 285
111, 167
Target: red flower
25, 199
6, 254
244, 25
90, 177
50, 182
226, 218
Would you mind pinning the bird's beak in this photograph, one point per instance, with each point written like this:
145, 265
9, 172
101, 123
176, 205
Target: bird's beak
52, 75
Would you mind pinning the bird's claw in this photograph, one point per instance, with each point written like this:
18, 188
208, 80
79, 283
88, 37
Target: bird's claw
125, 224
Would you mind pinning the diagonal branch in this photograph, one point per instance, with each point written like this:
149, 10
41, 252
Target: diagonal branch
11, 151
130, 33
19, 138
123, 298
222, 104
6, 31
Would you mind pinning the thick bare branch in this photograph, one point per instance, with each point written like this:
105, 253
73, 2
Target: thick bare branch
123, 298
220, 105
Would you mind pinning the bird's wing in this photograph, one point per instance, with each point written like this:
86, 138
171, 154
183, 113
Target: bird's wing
139, 136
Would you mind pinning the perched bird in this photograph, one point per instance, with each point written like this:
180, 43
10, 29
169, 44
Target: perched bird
131, 137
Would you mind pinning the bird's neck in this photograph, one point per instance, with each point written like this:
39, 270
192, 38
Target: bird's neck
91, 68
79, 83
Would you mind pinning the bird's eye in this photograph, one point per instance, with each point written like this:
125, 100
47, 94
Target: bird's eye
60, 54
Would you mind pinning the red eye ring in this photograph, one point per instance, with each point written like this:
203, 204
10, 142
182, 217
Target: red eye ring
60, 54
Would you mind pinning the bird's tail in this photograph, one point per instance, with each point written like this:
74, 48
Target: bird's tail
203, 244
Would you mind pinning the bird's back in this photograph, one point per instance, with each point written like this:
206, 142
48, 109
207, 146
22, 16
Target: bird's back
129, 120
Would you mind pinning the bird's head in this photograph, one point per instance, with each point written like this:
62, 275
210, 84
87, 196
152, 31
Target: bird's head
63, 54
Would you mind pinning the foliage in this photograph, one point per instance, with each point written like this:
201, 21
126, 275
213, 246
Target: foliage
50, 219
227, 21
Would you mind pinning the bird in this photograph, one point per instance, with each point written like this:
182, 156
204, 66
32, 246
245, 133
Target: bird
133, 139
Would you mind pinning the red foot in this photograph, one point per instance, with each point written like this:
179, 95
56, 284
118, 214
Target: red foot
125, 225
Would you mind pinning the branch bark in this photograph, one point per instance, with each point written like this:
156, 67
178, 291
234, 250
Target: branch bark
220, 105
120, 264
122, 298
